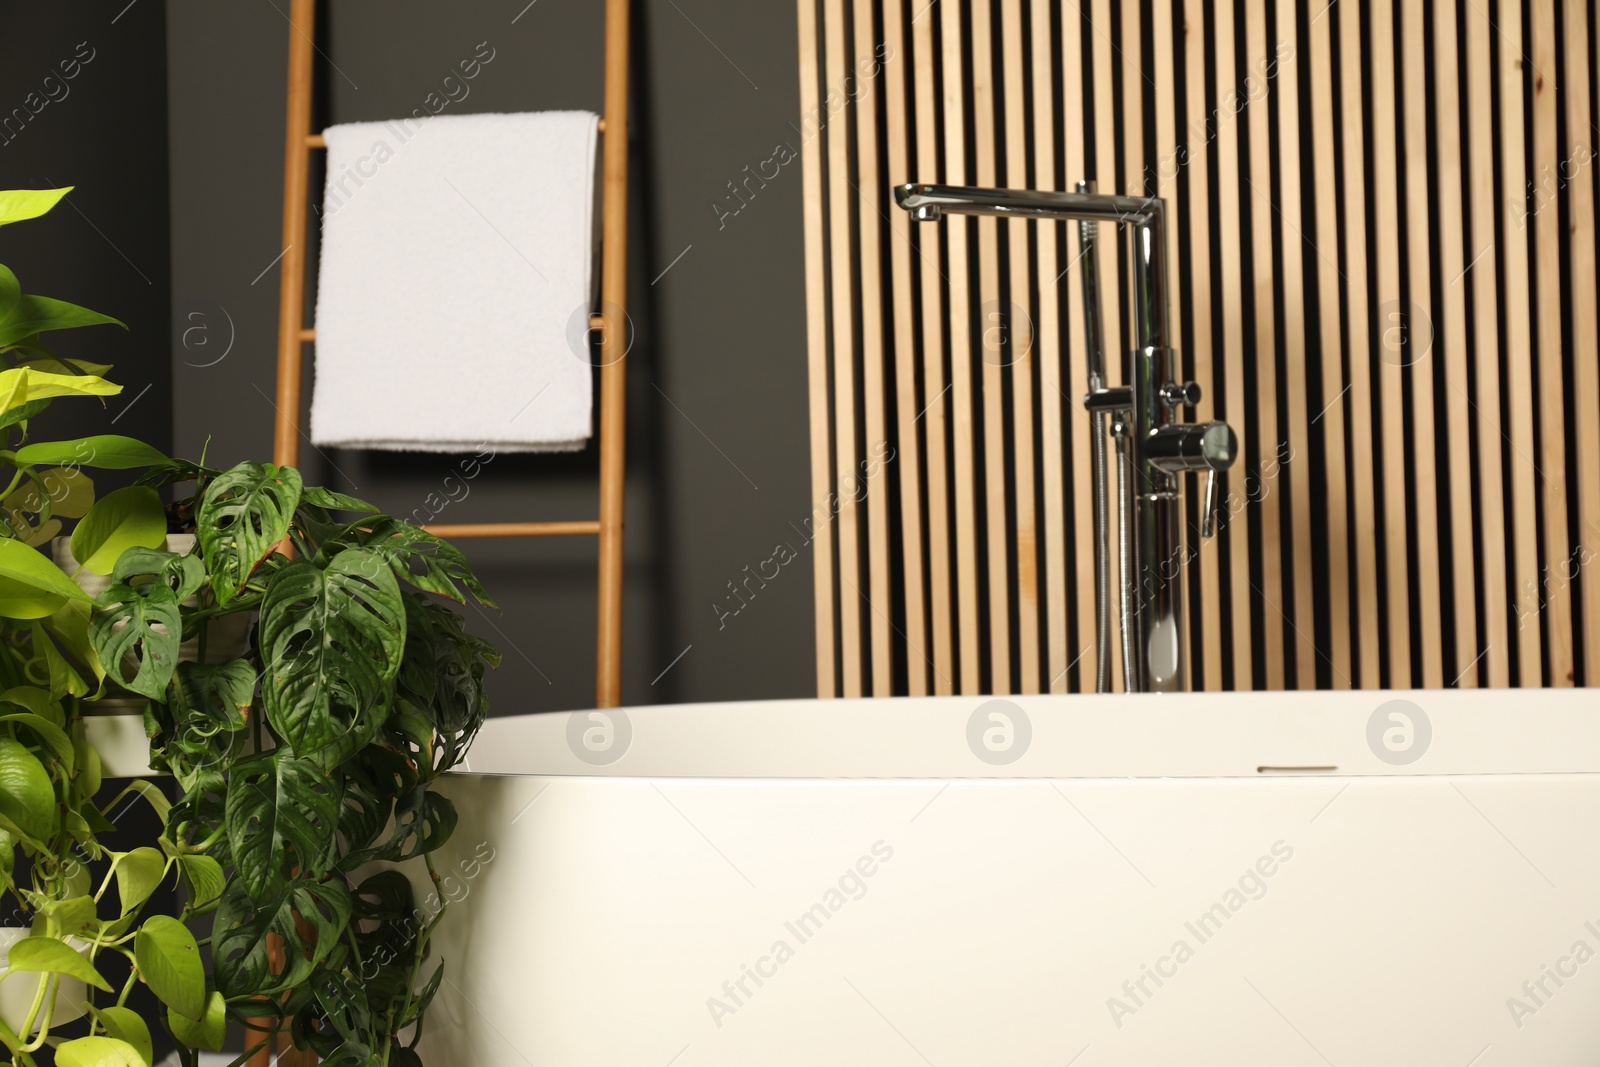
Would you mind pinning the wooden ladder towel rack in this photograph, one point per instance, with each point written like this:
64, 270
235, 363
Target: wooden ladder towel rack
300, 141
293, 334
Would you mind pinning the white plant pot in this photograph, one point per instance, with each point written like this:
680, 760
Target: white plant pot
18, 990
227, 637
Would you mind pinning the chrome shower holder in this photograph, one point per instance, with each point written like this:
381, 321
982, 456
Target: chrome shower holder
1153, 447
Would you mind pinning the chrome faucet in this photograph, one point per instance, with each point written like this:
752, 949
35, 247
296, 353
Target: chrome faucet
1153, 447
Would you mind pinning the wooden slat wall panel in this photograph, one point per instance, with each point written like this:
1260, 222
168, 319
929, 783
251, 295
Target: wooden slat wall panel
1383, 274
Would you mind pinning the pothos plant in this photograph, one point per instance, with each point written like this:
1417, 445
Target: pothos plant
62, 925
308, 762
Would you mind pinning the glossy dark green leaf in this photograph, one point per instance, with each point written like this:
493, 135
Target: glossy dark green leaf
182, 572
425, 561
136, 633
332, 639
218, 694
332, 501
239, 939
281, 816
244, 512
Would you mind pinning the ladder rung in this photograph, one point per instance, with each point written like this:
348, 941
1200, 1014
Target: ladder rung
308, 334
515, 529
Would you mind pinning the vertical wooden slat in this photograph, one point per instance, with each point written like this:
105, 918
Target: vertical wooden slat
1284, 52
817, 352
957, 230
1331, 341
935, 389
1053, 353
1022, 357
1196, 140
1075, 150
1585, 344
1524, 473
1364, 499
992, 325
1446, 186
844, 372
1233, 405
1482, 272
1268, 443
1111, 287
1555, 590
908, 451
1391, 326
1420, 364
869, 259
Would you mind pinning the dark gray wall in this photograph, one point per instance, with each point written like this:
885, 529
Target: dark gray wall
717, 452
102, 130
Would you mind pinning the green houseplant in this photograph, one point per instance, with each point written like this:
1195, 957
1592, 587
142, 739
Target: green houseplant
310, 759
62, 924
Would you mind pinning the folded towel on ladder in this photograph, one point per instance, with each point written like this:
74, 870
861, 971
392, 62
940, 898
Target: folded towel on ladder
455, 284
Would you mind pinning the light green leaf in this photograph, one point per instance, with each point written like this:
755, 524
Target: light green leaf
89, 770
32, 587
47, 955
50, 736
333, 638
208, 1032
63, 491
138, 631
17, 205
204, 878
106, 451
67, 918
37, 701
27, 798
169, 962
70, 628
243, 515
138, 874
64, 680
124, 1024
98, 1052
36, 314
128, 518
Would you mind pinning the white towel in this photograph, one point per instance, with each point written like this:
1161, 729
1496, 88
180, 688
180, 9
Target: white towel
456, 283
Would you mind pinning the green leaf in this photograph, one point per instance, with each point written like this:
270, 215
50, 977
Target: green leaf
203, 877
47, 955
24, 385
333, 639
241, 955
281, 816
17, 205
430, 563
50, 736
243, 514
219, 693
320, 497
32, 587
137, 634
70, 917
182, 572
127, 518
124, 1024
99, 1052
89, 770
64, 681
36, 314
62, 491
10, 291
106, 451
27, 798
169, 962
209, 1032
138, 874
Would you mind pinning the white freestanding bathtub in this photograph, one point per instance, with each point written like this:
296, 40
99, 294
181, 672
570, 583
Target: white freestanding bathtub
1271, 878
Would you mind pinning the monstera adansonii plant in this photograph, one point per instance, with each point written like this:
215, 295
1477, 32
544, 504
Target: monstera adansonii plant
307, 765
